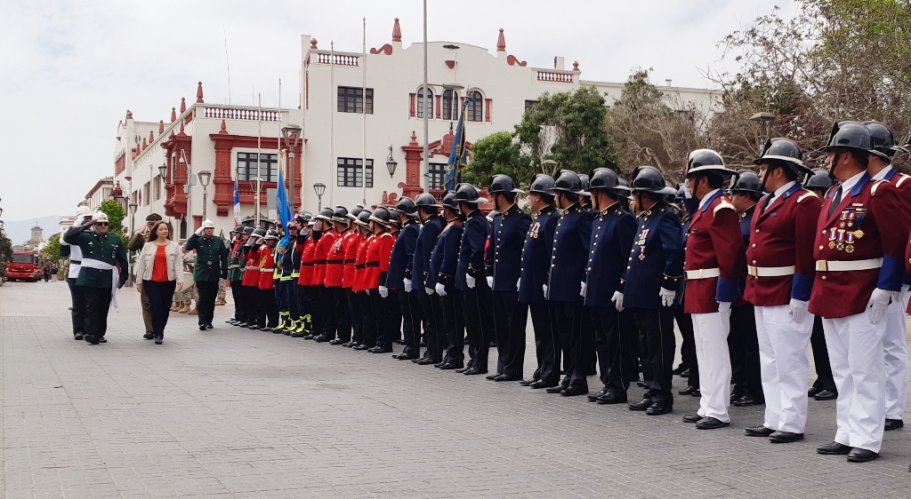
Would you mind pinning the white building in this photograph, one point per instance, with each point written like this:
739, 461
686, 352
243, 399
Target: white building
101, 191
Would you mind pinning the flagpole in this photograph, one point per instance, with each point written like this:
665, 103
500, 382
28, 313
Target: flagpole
333, 169
364, 114
259, 153
425, 162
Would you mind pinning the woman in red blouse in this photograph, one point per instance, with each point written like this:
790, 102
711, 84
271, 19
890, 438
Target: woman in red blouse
159, 265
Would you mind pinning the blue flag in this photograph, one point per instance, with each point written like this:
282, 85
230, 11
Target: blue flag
284, 210
236, 205
457, 154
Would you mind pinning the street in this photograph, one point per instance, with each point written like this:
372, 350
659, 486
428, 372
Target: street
237, 413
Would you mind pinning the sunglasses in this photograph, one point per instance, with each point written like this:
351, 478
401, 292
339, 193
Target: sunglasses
101, 223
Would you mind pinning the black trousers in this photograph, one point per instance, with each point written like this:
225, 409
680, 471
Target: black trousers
78, 313
319, 312
611, 348
632, 363
688, 346
304, 300
250, 296
546, 350
97, 304
434, 332
160, 295
371, 329
339, 320
656, 334
453, 325
205, 305
357, 316
237, 295
744, 347
567, 321
824, 379
384, 313
510, 319
477, 326
411, 321
268, 311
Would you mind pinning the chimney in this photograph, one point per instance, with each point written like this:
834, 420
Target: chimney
558, 62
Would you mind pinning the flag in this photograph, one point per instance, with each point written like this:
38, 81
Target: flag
284, 210
236, 205
457, 154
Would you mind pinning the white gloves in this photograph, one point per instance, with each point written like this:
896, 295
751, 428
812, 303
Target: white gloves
618, 301
470, 281
199, 231
724, 306
546, 293
429, 291
798, 310
408, 287
440, 289
879, 300
582, 290
667, 297
384, 291
518, 283
490, 281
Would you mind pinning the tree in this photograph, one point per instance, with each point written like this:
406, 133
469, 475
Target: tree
51, 251
115, 213
496, 153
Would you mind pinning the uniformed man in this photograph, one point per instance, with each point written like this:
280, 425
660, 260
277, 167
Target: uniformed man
250, 279
611, 238
423, 281
103, 270
211, 267
337, 298
323, 310
238, 291
291, 260
714, 257
780, 275
572, 237
742, 343
137, 241
368, 331
535, 262
470, 279
895, 348
860, 241
376, 268
77, 297
649, 287
267, 319
305, 279
689, 367
352, 244
443, 263
399, 280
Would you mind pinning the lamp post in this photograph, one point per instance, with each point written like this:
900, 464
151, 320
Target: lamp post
390, 163
133, 207
765, 118
319, 188
187, 189
292, 136
204, 177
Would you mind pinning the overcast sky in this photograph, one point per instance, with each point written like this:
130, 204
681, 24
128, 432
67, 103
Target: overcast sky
71, 69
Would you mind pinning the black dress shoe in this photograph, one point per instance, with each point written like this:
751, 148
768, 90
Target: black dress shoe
491, 376
102, 339
641, 384
813, 391
506, 377
785, 437
696, 393
202, 327
210, 326
335, 341
554, 389
323, 338
460, 370
641, 405
894, 424
612, 398
449, 366
380, 349
537, 385
858, 455
826, 395
594, 396
473, 371
736, 394
685, 373
158, 341
833, 448
77, 336
692, 418
573, 391
679, 370
711, 424
361, 346
659, 408
527, 382
758, 431
92, 340
424, 361
688, 390
148, 336
746, 400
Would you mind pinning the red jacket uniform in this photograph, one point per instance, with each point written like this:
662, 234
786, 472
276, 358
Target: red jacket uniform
782, 236
308, 255
266, 267
352, 244
360, 263
323, 248
377, 264
251, 267
335, 260
713, 246
867, 224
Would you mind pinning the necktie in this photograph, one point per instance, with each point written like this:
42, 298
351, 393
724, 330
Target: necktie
768, 202
835, 202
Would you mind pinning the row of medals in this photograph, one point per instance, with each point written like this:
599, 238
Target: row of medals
843, 239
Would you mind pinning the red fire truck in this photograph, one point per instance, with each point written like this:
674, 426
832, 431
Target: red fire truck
25, 265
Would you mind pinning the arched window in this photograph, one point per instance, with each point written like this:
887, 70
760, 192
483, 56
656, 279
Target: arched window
450, 105
425, 104
474, 110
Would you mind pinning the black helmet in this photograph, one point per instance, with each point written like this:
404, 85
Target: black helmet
784, 151
467, 193
681, 193
304, 216
648, 179
583, 177
449, 201
603, 178
363, 217
248, 230
883, 140
747, 181
325, 214
850, 135
706, 161
381, 216
567, 181
259, 232
340, 215
820, 180
406, 206
541, 183
623, 189
502, 183
425, 200
271, 235
352, 215
238, 229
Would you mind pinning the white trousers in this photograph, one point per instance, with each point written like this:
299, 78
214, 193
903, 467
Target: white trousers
895, 349
711, 335
855, 348
784, 366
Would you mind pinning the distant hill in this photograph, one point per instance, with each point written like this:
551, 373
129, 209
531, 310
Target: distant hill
20, 231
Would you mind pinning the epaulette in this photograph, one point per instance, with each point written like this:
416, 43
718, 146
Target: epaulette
723, 205
385, 234
876, 185
806, 194
902, 178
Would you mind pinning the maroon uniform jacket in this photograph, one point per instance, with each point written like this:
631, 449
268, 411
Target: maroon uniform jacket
321, 256
335, 260
867, 224
713, 244
782, 235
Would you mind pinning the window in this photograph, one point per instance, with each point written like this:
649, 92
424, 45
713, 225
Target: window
145, 192
450, 105
247, 167
437, 174
425, 104
158, 182
530, 104
349, 174
474, 110
351, 100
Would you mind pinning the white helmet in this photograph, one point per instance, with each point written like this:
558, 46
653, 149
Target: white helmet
100, 216
208, 224
82, 211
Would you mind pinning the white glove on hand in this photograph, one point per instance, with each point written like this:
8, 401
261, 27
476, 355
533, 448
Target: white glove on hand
582, 290
798, 310
724, 306
618, 301
470, 281
408, 287
429, 291
518, 283
199, 231
490, 281
384, 291
440, 289
879, 300
667, 296
546, 293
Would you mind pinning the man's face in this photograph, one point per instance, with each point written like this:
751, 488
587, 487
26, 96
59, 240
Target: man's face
208, 232
101, 227
149, 226
741, 201
763, 173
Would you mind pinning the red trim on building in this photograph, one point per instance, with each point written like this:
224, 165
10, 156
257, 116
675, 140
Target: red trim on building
411, 109
488, 103
439, 99
411, 187
385, 50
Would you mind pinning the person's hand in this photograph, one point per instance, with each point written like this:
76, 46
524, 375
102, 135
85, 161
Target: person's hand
384, 291
429, 291
617, 299
199, 231
878, 303
440, 289
546, 291
518, 283
470, 281
582, 289
408, 287
490, 281
724, 306
798, 310
179, 285
667, 296
139, 287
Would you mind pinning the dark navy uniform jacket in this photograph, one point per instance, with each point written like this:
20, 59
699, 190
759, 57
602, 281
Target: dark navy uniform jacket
471, 251
427, 239
569, 255
612, 236
504, 250
655, 259
402, 257
536, 255
445, 256
746, 219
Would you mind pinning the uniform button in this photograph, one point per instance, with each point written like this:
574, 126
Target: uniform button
823, 278
754, 245
820, 247
628, 267
757, 230
824, 231
754, 262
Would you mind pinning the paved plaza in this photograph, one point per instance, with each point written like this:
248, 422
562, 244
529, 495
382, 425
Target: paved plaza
237, 413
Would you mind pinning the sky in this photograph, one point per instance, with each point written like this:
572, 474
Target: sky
72, 69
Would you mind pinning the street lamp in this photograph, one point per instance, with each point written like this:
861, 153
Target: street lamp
319, 188
292, 136
190, 181
766, 118
133, 207
390, 163
204, 177
163, 171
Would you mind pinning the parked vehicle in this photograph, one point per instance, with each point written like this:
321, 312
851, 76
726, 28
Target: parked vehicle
25, 265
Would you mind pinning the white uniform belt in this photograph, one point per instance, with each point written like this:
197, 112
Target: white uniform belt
91, 263
266, 270
251, 268
702, 273
770, 271
848, 265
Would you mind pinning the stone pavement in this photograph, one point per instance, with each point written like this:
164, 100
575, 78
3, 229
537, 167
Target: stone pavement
236, 413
